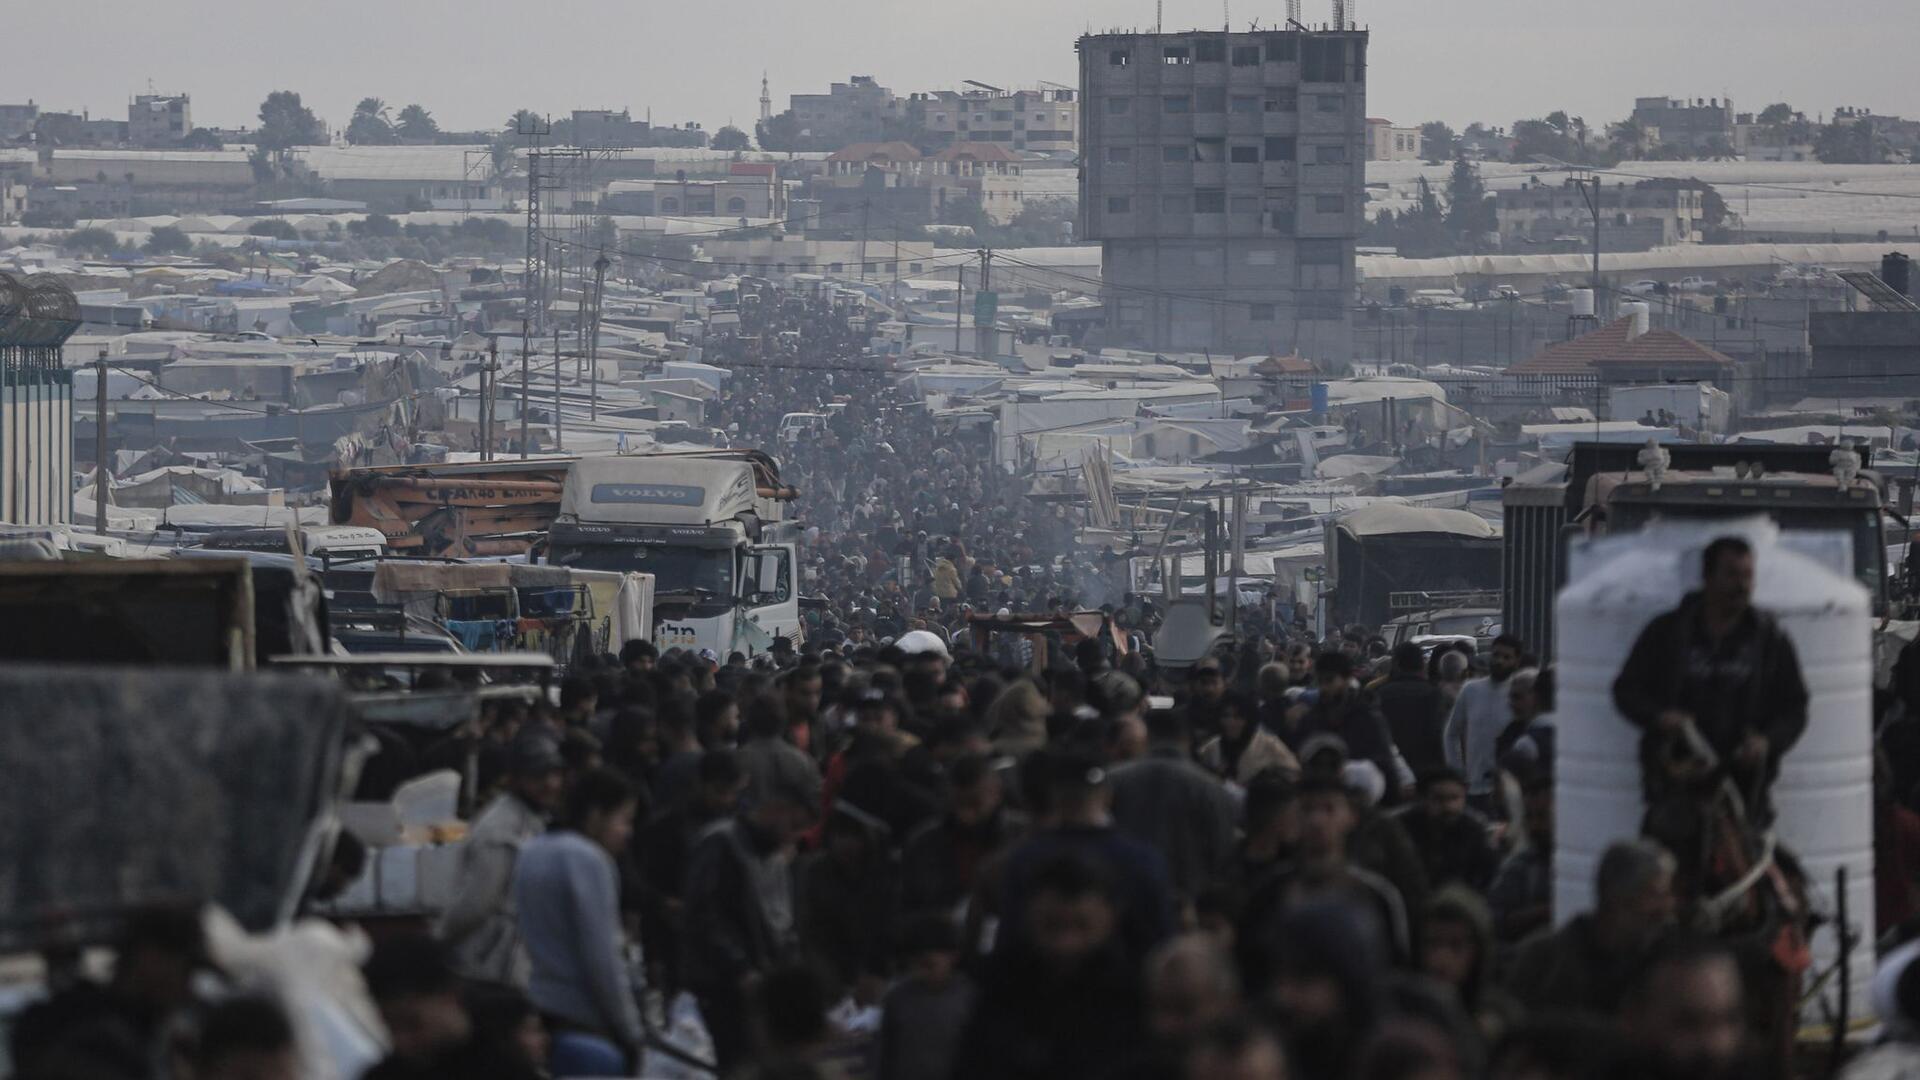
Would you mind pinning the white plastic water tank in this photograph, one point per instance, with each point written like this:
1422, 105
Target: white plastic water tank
1642, 313
1580, 301
1824, 795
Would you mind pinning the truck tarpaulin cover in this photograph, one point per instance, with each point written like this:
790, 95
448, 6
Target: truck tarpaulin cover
134, 788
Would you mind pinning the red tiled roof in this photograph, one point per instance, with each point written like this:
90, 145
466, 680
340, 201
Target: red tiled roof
1291, 364
750, 168
1668, 347
867, 151
1612, 345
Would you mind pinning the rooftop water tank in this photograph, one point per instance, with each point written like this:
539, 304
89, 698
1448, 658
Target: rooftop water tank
1580, 303
1824, 795
1642, 313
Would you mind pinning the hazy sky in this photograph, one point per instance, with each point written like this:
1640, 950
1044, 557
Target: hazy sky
472, 63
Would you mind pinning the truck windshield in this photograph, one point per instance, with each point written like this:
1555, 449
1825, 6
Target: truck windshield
675, 568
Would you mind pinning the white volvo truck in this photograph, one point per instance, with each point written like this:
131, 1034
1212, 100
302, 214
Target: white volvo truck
708, 527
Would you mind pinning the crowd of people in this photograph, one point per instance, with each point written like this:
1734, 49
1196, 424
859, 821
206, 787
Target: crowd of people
899, 851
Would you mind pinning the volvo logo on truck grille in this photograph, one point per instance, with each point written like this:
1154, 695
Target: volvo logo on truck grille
657, 494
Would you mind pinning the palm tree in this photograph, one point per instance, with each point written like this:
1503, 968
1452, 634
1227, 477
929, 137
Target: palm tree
417, 123
1628, 137
524, 120
370, 124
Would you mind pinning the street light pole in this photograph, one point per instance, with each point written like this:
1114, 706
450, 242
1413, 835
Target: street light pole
100, 471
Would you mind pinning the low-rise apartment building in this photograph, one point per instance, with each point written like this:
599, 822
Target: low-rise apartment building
1043, 121
1633, 217
1385, 142
159, 119
1701, 126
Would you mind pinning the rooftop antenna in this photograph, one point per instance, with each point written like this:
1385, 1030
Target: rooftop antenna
1226, 16
1159, 15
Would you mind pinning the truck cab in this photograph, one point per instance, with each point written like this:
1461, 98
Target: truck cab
1611, 488
709, 528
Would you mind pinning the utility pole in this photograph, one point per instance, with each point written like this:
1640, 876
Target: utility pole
1590, 190
489, 381
1237, 560
593, 340
959, 305
559, 440
533, 226
865, 205
100, 470
983, 336
526, 388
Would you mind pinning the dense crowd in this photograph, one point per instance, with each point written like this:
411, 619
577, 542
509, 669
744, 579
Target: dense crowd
904, 852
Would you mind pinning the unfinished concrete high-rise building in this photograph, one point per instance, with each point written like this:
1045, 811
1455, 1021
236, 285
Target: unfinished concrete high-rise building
1222, 175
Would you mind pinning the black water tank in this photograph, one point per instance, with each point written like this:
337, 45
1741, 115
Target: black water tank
1897, 271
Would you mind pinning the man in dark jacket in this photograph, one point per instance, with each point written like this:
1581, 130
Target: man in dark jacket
1168, 802
1725, 667
1587, 964
941, 860
1345, 710
1412, 708
740, 910
662, 850
1451, 839
1062, 995
1078, 825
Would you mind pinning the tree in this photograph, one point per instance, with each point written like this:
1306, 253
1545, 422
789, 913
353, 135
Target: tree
1856, 143
169, 240
91, 241
273, 228
1415, 233
374, 226
604, 236
730, 138
1558, 121
1537, 139
1777, 115
1437, 141
1469, 211
780, 132
285, 122
524, 120
202, 139
370, 126
417, 124
1627, 138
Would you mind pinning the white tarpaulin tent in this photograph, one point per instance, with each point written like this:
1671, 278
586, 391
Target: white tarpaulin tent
1383, 518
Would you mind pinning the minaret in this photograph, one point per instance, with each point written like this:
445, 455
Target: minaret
766, 100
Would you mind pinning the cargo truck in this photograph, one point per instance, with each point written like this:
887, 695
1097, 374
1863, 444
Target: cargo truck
1612, 488
711, 530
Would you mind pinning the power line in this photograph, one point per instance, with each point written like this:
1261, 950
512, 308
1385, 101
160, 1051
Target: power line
1758, 185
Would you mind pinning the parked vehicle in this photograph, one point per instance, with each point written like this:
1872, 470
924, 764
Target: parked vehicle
1643, 287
